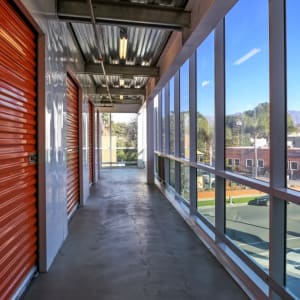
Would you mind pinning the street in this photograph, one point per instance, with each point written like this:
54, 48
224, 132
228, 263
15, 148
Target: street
248, 227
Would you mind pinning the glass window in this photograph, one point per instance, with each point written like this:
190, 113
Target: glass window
293, 92
206, 102
163, 120
249, 163
247, 221
172, 118
105, 139
172, 173
247, 86
206, 194
185, 182
260, 163
229, 161
156, 134
236, 162
155, 164
294, 165
184, 111
293, 249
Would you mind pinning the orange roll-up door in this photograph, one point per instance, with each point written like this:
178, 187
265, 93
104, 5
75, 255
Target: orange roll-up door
72, 146
91, 141
18, 168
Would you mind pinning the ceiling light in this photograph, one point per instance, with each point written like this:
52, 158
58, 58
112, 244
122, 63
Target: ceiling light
123, 48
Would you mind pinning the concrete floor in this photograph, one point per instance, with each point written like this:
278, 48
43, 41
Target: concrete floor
128, 242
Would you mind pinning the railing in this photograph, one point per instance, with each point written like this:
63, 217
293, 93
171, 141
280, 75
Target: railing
119, 157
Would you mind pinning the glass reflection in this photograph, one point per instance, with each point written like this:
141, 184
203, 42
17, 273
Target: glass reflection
163, 120
172, 173
185, 182
206, 102
184, 111
206, 194
172, 118
293, 249
247, 221
293, 105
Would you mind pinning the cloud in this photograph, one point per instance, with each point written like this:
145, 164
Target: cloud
205, 83
247, 56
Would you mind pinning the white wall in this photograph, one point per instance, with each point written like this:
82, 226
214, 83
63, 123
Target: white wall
142, 136
60, 52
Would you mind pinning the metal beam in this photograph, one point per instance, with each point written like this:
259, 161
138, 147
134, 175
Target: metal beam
121, 70
125, 13
116, 101
122, 91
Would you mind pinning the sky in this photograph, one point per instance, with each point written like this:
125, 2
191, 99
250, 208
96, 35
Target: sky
246, 60
123, 117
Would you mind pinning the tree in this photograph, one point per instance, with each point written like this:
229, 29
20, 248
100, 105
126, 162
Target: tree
204, 138
291, 128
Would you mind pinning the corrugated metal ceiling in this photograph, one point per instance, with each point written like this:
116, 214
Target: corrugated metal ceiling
144, 47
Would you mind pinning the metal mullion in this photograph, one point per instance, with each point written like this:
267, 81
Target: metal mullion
220, 123
277, 140
193, 132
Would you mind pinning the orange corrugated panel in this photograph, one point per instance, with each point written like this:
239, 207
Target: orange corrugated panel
72, 146
18, 172
91, 141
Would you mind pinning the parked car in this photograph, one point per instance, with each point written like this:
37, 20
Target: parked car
262, 200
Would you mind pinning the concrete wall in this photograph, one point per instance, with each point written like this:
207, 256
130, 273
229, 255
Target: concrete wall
61, 53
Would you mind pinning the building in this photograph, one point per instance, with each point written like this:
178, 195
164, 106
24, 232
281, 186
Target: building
205, 77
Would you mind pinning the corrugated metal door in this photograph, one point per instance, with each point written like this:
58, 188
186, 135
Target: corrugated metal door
72, 146
91, 141
18, 168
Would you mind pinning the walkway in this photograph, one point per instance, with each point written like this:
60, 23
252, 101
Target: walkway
128, 242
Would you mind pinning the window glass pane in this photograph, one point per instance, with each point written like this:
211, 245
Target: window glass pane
247, 88
247, 221
206, 102
156, 135
105, 139
293, 94
184, 111
293, 249
155, 164
163, 120
172, 173
172, 118
206, 194
185, 182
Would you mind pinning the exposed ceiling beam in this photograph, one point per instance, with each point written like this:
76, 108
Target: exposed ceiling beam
121, 70
122, 91
125, 13
128, 108
117, 101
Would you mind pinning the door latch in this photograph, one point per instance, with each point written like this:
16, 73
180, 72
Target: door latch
33, 158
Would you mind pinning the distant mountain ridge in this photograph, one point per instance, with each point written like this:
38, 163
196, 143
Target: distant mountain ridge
295, 115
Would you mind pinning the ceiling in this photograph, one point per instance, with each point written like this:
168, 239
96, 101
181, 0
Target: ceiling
97, 28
